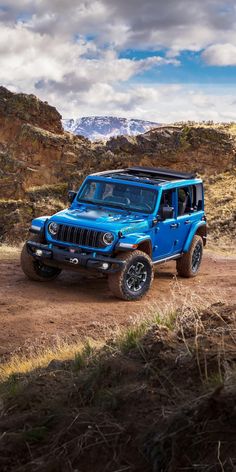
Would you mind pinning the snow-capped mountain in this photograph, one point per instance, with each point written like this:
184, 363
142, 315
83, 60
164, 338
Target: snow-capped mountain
103, 127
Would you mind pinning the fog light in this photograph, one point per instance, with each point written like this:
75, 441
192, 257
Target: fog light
105, 265
39, 252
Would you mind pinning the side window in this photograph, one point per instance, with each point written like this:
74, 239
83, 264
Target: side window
190, 199
198, 204
167, 199
185, 200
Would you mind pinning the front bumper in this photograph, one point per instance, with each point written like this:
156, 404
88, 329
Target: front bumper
64, 259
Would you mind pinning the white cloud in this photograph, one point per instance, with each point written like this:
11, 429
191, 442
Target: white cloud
33, 60
162, 103
151, 24
67, 52
220, 55
26, 55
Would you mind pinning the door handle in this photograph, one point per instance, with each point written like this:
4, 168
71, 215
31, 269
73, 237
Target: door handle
174, 225
187, 222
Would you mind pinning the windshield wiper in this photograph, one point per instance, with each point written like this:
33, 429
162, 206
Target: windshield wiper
87, 201
103, 204
122, 206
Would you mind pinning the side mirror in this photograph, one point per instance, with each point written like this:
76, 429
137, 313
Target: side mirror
166, 212
71, 195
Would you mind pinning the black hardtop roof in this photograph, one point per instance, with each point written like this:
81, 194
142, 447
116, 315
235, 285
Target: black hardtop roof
162, 172
149, 175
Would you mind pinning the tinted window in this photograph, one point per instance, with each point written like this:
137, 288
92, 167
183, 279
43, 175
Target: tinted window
166, 200
185, 197
189, 199
198, 204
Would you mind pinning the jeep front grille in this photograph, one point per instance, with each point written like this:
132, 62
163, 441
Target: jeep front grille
80, 236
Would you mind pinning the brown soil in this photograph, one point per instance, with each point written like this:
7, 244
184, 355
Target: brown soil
167, 403
74, 307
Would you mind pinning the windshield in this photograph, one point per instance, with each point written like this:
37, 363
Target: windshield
118, 195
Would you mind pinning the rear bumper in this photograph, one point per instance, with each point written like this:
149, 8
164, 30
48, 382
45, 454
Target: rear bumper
63, 259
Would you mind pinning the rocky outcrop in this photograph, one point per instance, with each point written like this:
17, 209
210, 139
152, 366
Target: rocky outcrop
19, 108
36, 155
202, 149
34, 150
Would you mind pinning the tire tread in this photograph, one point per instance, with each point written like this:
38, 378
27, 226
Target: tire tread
27, 264
115, 280
184, 264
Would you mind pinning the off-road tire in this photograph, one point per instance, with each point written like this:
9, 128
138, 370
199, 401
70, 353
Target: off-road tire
33, 269
118, 282
184, 265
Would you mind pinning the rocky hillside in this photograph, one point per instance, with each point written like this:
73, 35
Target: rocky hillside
207, 150
34, 150
38, 160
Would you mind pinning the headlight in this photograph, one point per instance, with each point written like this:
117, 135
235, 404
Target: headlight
108, 238
53, 228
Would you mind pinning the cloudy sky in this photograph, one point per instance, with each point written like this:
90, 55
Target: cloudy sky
162, 60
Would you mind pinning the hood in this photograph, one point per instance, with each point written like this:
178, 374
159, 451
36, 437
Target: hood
102, 219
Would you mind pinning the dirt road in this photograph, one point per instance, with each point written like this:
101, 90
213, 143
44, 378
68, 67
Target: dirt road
37, 314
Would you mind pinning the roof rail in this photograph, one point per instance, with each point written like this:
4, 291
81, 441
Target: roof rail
108, 172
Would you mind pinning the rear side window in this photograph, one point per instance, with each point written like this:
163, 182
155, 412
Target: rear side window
190, 198
198, 197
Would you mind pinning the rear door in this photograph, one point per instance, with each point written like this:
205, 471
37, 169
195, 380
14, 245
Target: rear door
165, 231
187, 212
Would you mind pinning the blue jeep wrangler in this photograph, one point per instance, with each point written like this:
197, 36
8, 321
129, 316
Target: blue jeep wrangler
122, 223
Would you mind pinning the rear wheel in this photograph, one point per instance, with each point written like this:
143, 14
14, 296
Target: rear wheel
189, 264
135, 278
33, 268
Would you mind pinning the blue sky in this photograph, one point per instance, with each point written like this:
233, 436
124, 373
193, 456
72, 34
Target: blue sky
192, 69
163, 61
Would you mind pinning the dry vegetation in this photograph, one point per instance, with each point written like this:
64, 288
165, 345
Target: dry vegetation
38, 358
8, 252
160, 396
220, 194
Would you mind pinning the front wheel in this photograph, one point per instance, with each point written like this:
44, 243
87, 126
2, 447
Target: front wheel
135, 278
34, 269
189, 264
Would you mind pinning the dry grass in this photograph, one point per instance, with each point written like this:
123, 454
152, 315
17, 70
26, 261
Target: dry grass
62, 351
232, 128
48, 188
9, 201
191, 301
109, 407
8, 252
220, 199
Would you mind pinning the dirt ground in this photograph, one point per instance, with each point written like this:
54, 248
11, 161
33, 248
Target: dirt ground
74, 307
166, 402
